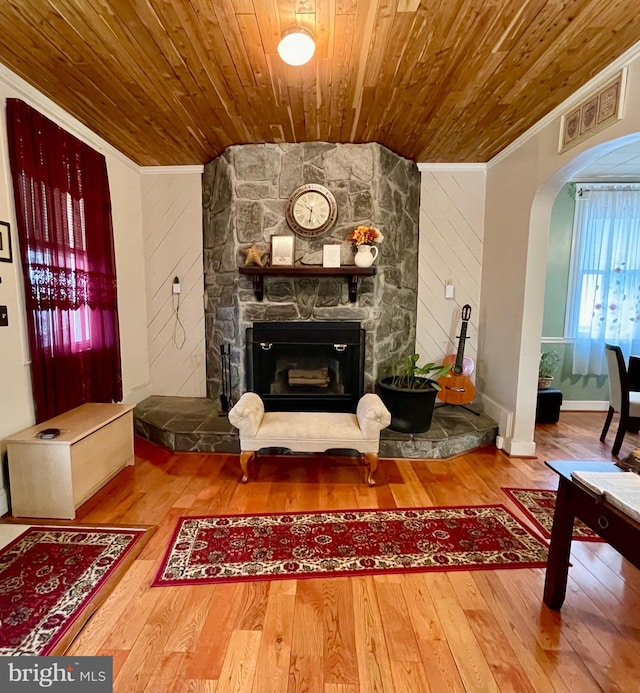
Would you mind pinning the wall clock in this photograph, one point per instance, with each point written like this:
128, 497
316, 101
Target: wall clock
311, 210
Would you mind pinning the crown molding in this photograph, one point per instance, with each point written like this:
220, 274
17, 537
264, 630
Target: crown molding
160, 170
452, 167
599, 80
72, 125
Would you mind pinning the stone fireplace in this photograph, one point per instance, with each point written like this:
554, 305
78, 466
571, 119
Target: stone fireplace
245, 193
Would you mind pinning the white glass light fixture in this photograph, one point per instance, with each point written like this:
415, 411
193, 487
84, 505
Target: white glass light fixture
296, 46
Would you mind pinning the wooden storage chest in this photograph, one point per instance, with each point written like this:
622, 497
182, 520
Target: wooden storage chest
52, 478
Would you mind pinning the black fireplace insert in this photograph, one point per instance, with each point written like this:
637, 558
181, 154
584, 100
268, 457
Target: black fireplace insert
306, 366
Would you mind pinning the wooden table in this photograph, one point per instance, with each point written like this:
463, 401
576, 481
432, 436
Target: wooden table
575, 501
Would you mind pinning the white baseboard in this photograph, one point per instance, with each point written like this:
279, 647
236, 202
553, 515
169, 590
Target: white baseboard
504, 440
504, 418
499, 413
136, 395
584, 405
519, 448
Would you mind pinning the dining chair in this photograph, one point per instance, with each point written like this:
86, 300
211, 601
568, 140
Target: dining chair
621, 400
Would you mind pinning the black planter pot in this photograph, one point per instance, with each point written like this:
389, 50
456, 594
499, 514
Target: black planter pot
411, 410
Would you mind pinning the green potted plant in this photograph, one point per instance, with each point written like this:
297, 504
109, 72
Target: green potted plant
549, 362
410, 395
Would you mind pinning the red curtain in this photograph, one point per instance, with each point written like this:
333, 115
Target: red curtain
63, 211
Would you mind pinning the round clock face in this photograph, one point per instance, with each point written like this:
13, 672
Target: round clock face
312, 210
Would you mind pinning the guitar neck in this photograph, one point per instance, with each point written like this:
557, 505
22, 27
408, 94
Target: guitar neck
461, 340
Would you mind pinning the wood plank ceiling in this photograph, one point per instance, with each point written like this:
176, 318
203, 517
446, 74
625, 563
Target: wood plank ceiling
173, 82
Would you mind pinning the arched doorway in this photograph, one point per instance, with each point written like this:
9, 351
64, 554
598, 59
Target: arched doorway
609, 161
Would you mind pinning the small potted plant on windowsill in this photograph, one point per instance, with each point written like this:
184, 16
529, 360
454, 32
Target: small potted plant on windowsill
549, 362
411, 394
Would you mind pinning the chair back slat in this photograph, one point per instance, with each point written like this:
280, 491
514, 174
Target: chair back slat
618, 382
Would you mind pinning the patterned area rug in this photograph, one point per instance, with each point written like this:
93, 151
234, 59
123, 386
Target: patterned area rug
359, 542
538, 505
52, 578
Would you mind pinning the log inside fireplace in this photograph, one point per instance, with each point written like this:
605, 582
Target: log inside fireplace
306, 366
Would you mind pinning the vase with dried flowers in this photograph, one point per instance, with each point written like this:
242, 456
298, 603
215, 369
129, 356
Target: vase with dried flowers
363, 239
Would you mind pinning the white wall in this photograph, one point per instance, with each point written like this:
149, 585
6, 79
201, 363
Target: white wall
522, 183
450, 249
16, 406
452, 220
502, 298
172, 210
124, 184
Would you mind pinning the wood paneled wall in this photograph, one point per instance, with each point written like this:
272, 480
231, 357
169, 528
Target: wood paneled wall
450, 249
172, 213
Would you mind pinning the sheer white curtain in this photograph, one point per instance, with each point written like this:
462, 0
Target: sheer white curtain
604, 283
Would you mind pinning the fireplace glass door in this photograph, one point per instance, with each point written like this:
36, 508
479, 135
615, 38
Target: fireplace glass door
306, 366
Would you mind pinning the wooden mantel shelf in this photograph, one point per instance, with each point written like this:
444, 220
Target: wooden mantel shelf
353, 274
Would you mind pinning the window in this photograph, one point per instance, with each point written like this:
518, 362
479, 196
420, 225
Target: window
604, 281
46, 270
63, 214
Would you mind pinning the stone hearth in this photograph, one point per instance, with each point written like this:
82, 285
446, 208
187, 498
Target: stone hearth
195, 424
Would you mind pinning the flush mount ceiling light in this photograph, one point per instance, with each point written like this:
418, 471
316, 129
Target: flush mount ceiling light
296, 46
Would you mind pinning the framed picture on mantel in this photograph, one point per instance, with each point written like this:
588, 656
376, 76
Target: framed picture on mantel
282, 250
331, 255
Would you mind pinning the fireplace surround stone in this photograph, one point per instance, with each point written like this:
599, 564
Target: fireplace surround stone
245, 192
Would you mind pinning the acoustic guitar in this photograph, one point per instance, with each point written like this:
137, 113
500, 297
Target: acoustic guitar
457, 387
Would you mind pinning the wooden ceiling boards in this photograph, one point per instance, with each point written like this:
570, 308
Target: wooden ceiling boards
174, 82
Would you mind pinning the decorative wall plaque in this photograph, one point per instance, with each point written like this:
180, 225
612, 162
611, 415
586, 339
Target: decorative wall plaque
593, 114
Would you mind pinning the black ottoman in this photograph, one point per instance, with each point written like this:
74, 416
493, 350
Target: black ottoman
548, 406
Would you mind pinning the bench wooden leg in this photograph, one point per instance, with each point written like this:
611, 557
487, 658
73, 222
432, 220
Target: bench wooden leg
372, 459
245, 458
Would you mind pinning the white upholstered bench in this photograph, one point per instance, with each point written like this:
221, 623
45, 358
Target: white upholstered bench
309, 431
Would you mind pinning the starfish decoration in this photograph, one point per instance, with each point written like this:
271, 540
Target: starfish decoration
254, 254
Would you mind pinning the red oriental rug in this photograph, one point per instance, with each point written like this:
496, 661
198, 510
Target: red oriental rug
52, 578
538, 505
233, 548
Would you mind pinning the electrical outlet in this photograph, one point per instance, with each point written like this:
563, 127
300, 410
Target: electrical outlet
449, 291
4, 316
175, 287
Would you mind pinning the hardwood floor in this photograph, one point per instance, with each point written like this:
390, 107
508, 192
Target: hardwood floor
449, 631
